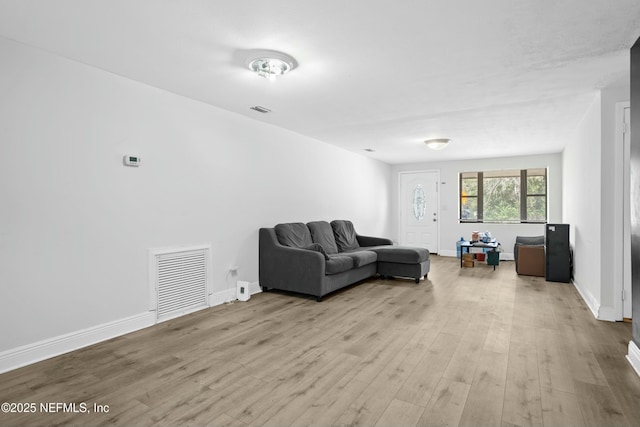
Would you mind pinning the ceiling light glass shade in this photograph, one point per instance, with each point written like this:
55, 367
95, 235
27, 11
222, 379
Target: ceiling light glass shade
271, 64
437, 144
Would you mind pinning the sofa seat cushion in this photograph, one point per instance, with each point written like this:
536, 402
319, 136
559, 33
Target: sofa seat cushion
294, 234
401, 254
361, 257
345, 235
337, 264
322, 233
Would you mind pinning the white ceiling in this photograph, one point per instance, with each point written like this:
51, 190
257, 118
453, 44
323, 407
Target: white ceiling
498, 77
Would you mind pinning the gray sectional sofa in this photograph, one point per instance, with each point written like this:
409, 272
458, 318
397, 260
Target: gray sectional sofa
320, 257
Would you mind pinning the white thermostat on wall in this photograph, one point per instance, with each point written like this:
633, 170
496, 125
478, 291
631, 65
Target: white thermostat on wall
132, 160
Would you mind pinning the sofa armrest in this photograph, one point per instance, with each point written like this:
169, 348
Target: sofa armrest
287, 268
365, 241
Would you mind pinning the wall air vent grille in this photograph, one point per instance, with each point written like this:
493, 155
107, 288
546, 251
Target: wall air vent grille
260, 109
181, 281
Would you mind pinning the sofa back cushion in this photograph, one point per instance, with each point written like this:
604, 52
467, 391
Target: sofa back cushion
530, 240
322, 233
345, 235
294, 234
316, 247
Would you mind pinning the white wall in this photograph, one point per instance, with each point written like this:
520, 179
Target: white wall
451, 230
582, 203
593, 204
76, 225
594, 149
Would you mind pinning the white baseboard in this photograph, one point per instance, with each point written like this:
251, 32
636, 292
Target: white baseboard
222, 297
633, 356
254, 288
51, 347
506, 256
589, 299
599, 312
229, 295
448, 253
608, 314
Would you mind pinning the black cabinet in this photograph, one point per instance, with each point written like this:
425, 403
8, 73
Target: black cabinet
558, 253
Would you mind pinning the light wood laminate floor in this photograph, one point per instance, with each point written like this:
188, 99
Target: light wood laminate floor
468, 347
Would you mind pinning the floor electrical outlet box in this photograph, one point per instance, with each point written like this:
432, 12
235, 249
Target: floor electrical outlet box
242, 291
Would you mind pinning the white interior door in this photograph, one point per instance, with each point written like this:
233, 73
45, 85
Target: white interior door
419, 209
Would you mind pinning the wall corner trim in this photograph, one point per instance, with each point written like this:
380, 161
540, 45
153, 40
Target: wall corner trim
633, 356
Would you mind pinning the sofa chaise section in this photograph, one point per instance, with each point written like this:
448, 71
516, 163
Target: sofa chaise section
404, 262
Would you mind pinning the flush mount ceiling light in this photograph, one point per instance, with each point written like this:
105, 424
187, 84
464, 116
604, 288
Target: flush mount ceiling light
437, 144
260, 109
270, 63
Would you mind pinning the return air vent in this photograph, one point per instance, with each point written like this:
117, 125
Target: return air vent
180, 281
260, 109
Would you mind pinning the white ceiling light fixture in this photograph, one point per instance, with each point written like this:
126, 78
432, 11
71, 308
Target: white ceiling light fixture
260, 109
438, 143
270, 63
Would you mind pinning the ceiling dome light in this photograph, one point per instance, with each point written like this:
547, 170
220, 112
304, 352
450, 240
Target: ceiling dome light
270, 63
438, 143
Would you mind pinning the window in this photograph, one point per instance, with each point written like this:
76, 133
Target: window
504, 196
